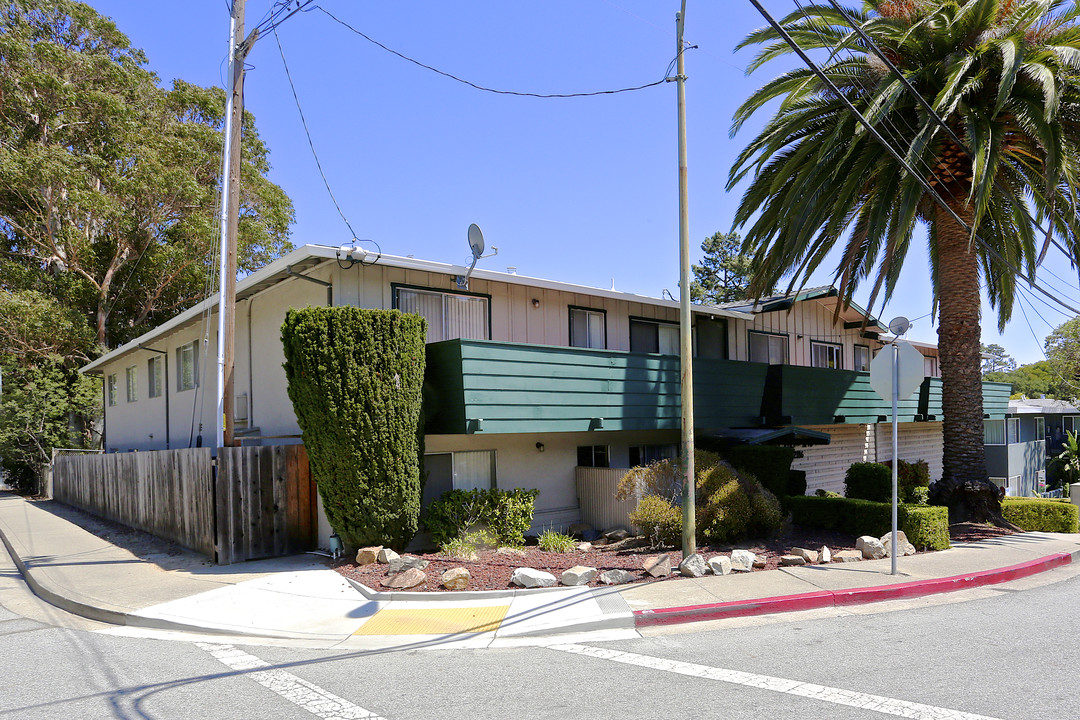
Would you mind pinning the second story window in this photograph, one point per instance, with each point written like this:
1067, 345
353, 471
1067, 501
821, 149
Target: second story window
110, 385
131, 375
187, 366
155, 376
651, 336
862, 358
768, 348
588, 328
449, 315
826, 355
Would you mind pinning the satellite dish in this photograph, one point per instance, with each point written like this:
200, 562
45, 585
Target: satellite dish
476, 240
899, 325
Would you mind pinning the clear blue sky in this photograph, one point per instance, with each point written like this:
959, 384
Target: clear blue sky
582, 190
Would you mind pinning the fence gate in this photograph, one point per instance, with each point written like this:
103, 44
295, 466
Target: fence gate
265, 503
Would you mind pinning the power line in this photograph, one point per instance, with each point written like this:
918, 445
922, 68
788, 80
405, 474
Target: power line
495, 90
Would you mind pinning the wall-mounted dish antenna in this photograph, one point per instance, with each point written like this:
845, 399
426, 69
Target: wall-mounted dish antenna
899, 325
476, 245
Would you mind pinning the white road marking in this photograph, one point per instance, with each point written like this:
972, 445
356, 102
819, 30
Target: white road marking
850, 698
300, 692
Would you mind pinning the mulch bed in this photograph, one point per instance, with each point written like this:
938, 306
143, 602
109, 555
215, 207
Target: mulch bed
972, 532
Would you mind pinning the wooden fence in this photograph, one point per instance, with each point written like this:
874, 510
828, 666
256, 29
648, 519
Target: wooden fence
252, 502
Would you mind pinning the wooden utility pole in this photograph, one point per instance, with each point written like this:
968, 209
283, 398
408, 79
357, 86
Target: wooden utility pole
689, 542
230, 220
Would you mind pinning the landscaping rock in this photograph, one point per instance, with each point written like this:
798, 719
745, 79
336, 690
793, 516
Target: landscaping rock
516, 552
845, 556
901, 541
870, 547
693, 566
809, 556
788, 560
578, 530
616, 534
599, 540
657, 565
578, 575
407, 579
530, 578
405, 562
742, 560
386, 555
456, 578
584, 547
368, 555
824, 554
720, 564
760, 561
616, 577
590, 535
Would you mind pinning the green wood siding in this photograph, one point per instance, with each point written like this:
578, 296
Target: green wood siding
798, 395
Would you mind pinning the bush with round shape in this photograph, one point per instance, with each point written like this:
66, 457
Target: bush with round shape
868, 481
658, 520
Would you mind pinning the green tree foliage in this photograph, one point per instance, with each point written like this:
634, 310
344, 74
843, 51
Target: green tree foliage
999, 360
355, 378
1003, 74
44, 402
108, 182
1033, 381
724, 273
1063, 357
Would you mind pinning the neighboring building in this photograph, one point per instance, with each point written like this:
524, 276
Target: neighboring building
531, 380
1019, 445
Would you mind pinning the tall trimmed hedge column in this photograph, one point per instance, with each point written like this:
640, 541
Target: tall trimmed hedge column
355, 378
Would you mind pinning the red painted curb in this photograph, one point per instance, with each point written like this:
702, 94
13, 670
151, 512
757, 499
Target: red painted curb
855, 596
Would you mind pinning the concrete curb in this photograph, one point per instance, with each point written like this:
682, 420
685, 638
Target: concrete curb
840, 598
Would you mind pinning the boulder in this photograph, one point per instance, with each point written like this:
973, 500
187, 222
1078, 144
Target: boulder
845, 556
788, 560
599, 540
578, 575
870, 547
616, 577
386, 555
405, 562
657, 565
824, 554
407, 579
590, 535
578, 530
742, 560
530, 578
584, 546
693, 566
616, 534
901, 541
809, 556
456, 578
720, 565
760, 561
368, 555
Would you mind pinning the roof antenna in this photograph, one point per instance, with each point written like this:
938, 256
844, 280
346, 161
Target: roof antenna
476, 244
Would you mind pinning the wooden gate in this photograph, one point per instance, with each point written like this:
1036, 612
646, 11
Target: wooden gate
266, 503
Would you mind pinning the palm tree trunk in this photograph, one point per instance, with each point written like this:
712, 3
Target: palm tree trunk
964, 486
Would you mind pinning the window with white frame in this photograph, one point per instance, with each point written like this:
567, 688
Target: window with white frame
930, 367
862, 358
1040, 428
111, 389
768, 348
1070, 423
826, 355
1001, 432
593, 456
449, 315
588, 328
474, 470
155, 373
131, 378
653, 336
187, 366
1012, 430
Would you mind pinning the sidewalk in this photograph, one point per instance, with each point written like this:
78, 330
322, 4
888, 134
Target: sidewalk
298, 599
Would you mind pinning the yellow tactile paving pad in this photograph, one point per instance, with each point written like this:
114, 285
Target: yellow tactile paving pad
434, 621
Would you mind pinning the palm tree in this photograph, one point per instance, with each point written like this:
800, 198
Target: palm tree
1005, 77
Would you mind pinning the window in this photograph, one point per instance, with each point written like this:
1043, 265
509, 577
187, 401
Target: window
711, 338
240, 411
110, 384
1069, 423
1012, 430
131, 378
154, 375
652, 336
588, 328
593, 456
449, 315
470, 470
1001, 432
826, 355
768, 348
645, 454
187, 366
930, 367
1040, 428
862, 358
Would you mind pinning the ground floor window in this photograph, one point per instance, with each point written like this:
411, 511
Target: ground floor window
464, 470
645, 454
593, 456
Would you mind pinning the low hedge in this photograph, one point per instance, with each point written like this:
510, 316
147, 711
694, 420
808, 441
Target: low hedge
506, 514
1041, 515
925, 526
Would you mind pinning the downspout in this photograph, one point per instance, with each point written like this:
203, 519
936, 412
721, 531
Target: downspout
251, 376
165, 382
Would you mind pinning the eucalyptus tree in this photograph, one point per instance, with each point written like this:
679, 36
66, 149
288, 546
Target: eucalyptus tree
1003, 75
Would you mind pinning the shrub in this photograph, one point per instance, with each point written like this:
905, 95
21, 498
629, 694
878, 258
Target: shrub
551, 541
822, 492
925, 526
731, 504
658, 520
1041, 515
796, 484
505, 514
354, 379
660, 478
868, 481
918, 496
770, 464
909, 477
467, 546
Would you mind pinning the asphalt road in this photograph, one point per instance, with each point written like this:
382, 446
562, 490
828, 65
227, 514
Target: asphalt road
1007, 652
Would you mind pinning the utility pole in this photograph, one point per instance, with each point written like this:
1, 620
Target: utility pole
689, 542
230, 220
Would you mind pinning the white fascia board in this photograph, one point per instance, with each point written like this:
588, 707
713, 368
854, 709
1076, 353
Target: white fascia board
326, 252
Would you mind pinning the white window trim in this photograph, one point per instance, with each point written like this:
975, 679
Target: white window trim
835, 349
589, 312
786, 359
180, 386
131, 383
855, 357
445, 319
